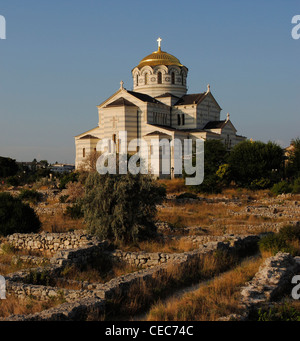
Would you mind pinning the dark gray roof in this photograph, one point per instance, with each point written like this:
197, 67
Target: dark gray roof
190, 99
121, 102
157, 133
192, 130
167, 94
143, 97
215, 124
85, 137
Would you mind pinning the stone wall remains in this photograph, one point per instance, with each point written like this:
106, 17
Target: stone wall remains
90, 299
272, 279
50, 243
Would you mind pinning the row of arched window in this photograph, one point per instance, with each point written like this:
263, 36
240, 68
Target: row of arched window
159, 78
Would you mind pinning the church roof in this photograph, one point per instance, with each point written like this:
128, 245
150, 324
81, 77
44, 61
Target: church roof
154, 133
143, 97
219, 124
215, 124
88, 137
191, 99
121, 102
193, 130
159, 57
167, 94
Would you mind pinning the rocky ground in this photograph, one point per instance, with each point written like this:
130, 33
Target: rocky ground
238, 215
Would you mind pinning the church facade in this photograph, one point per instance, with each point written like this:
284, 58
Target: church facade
158, 107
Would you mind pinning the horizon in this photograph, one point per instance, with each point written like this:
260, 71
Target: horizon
60, 60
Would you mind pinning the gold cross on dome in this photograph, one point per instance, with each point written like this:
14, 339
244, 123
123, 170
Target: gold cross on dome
159, 40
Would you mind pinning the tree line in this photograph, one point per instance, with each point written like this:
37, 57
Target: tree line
122, 208
251, 164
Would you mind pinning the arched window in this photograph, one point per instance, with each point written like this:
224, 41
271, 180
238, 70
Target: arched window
146, 78
137, 80
173, 77
159, 78
83, 152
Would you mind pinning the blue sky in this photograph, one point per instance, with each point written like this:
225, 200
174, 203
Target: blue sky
62, 58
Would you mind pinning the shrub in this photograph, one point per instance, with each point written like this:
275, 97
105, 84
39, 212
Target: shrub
75, 211
283, 241
13, 180
252, 161
121, 207
293, 164
296, 186
16, 216
215, 155
8, 167
66, 178
63, 199
290, 232
260, 184
273, 243
283, 312
187, 195
75, 191
281, 187
30, 195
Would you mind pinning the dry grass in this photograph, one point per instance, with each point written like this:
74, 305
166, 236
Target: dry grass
100, 272
7, 255
13, 306
143, 293
213, 216
210, 302
216, 217
60, 223
159, 245
174, 186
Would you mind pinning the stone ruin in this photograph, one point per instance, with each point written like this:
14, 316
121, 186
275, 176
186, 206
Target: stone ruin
90, 301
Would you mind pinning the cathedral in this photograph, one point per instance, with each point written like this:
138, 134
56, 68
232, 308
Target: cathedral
158, 107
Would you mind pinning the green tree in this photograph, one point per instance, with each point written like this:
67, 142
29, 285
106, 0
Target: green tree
215, 155
121, 207
68, 177
16, 216
256, 163
293, 162
8, 167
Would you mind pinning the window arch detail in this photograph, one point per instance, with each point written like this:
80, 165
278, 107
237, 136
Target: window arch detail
159, 78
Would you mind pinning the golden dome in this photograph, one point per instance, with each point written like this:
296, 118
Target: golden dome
159, 58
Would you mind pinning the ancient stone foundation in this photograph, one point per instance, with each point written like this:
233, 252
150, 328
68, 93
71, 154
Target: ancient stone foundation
272, 279
89, 302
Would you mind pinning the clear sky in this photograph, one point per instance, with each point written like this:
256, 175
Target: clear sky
61, 58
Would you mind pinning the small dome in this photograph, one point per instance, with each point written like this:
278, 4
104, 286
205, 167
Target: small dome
159, 58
